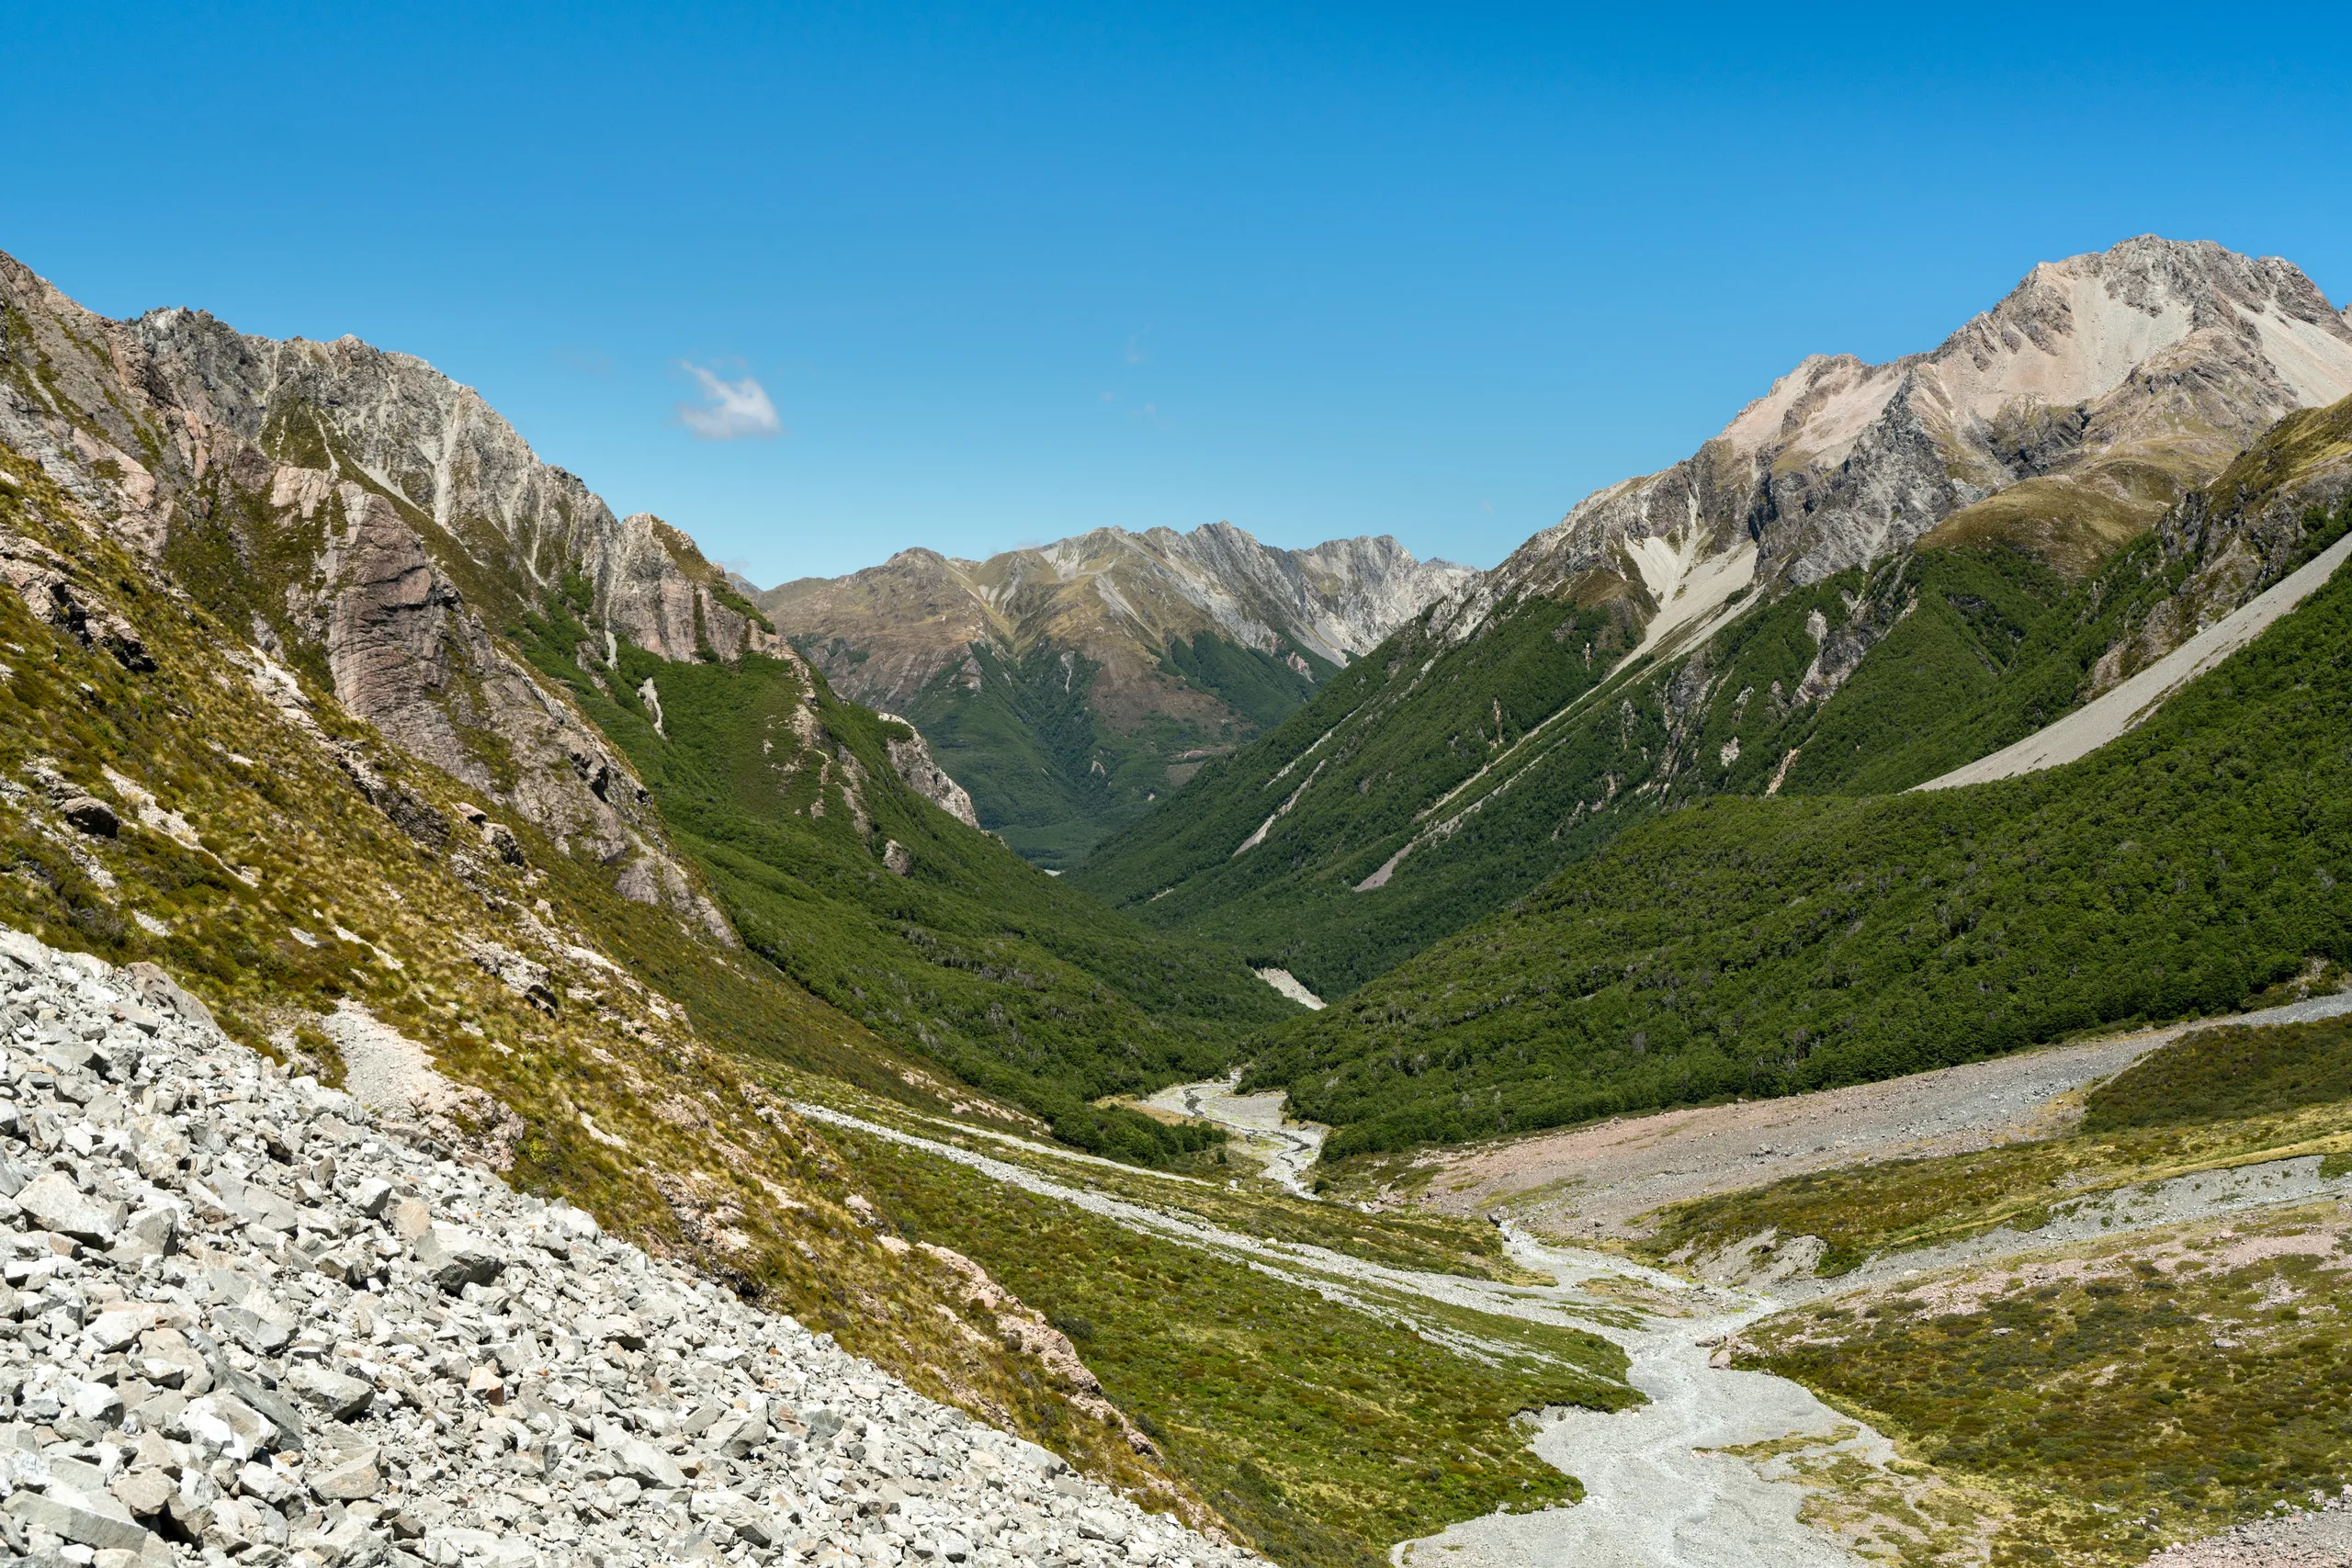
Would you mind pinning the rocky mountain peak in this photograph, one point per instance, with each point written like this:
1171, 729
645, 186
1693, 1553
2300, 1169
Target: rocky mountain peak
1103, 650
2066, 418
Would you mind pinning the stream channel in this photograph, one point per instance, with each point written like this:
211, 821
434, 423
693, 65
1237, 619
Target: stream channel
1654, 1497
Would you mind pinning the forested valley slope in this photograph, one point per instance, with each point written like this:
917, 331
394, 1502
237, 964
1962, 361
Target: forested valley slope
1874, 575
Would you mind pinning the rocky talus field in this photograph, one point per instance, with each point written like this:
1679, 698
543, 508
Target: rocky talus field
245, 1318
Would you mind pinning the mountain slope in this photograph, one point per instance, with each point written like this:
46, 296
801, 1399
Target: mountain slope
838, 871
1746, 947
1069, 686
170, 796
1809, 604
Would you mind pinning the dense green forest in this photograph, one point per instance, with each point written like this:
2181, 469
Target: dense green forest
1260, 685
1023, 988
1961, 651
1377, 742
1749, 947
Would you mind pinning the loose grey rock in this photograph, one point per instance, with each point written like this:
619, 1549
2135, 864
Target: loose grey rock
314, 1341
454, 1259
340, 1396
56, 1204
76, 1516
350, 1482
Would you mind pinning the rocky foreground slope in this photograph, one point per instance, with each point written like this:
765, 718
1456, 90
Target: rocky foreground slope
244, 1317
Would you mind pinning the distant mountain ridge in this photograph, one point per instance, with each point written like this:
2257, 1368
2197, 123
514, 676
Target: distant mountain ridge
1873, 575
1067, 686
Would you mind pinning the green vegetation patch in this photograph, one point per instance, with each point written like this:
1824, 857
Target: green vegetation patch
2119, 1400
1896, 1205
1324, 1433
2211, 1099
1760, 947
1388, 738
2213, 1075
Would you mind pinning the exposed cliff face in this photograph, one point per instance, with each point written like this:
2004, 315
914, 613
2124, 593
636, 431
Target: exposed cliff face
912, 758
1070, 685
2242, 534
2067, 418
376, 526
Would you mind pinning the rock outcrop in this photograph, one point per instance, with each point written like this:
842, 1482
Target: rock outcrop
912, 758
377, 528
245, 1317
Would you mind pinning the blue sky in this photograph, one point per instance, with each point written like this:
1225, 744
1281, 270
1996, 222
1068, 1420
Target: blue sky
819, 283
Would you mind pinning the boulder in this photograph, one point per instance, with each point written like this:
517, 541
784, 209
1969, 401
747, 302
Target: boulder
340, 1396
454, 1259
638, 1459
56, 1204
98, 1521
350, 1481
146, 1491
409, 1217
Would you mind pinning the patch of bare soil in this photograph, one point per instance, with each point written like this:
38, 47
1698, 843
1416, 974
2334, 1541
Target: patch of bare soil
1590, 1182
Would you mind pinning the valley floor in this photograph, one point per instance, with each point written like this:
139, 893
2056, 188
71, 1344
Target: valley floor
1728, 1463
1662, 1483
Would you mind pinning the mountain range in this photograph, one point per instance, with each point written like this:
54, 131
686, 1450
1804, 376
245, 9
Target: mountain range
1070, 685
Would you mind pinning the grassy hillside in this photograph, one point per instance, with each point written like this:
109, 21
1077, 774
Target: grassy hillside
1021, 987
1746, 947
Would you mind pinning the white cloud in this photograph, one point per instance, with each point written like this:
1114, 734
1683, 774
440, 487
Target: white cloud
735, 411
